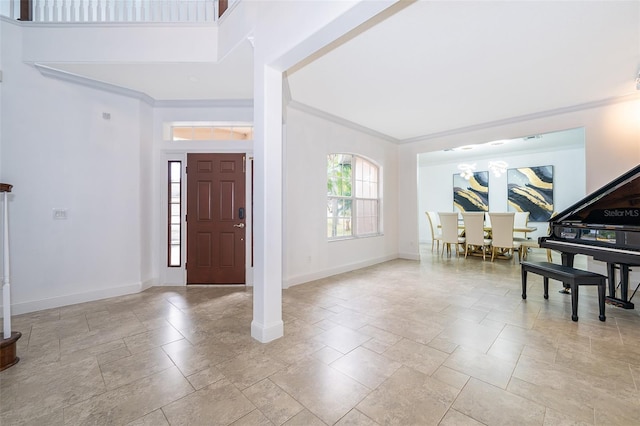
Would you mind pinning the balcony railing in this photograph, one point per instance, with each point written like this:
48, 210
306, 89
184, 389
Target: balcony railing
96, 11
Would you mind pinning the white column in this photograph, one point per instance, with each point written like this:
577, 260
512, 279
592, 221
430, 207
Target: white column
267, 322
6, 282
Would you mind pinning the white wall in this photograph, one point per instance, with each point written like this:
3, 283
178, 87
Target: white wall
59, 152
149, 188
308, 253
435, 185
145, 43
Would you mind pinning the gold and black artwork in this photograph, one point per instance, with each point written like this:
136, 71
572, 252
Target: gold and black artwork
471, 195
530, 189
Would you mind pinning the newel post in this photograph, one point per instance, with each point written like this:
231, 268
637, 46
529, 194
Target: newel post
26, 10
8, 343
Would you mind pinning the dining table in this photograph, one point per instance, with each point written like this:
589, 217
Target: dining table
515, 229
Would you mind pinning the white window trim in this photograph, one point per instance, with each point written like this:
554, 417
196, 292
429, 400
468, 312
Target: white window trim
353, 199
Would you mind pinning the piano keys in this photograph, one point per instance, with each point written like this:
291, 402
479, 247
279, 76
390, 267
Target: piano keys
606, 226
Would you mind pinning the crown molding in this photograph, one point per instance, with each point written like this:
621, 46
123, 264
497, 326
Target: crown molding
339, 120
248, 103
112, 88
526, 117
204, 103
94, 84
475, 127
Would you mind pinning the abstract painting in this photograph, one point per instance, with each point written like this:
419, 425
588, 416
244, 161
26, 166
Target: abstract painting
471, 195
530, 189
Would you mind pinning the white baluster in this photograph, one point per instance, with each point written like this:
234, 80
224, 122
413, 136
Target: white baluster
64, 12
107, 10
134, 11
143, 14
12, 9
93, 12
72, 11
6, 282
155, 10
99, 10
36, 10
45, 17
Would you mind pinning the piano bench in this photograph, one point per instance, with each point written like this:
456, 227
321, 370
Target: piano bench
571, 276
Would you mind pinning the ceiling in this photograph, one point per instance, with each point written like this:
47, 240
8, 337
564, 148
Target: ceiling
494, 150
434, 66
177, 81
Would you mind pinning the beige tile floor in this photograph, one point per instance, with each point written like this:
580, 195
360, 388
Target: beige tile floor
444, 341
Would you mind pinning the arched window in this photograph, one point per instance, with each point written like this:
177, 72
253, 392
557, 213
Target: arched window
353, 191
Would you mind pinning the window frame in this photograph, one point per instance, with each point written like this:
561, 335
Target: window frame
354, 198
214, 129
170, 205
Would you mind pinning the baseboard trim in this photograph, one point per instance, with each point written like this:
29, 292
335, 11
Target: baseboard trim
409, 256
267, 333
72, 299
301, 279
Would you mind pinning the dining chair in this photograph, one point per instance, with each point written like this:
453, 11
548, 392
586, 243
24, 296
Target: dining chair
436, 233
527, 244
521, 220
449, 226
487, 220
474, 233
502, 242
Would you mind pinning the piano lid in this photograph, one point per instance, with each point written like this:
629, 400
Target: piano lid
615, 205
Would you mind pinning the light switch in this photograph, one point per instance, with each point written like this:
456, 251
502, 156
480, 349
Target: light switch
59, 214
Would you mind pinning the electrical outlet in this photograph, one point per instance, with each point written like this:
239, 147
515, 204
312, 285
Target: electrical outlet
59, 214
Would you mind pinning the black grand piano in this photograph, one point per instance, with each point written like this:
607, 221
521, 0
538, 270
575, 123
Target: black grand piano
605, 225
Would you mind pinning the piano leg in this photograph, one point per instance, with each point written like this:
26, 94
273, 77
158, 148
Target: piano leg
624, 282
611, 274
623, 301
567, 260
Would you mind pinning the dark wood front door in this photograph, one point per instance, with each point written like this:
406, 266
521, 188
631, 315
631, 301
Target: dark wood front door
216, 215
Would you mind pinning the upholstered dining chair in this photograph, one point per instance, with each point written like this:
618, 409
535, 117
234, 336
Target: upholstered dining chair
520, 220
502, 241
436, 232
533, 243
487, 220
474, 233
449, 226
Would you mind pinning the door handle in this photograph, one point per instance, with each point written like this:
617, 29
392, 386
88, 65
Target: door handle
239, 225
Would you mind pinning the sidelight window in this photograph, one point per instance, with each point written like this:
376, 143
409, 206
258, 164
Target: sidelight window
174, 248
